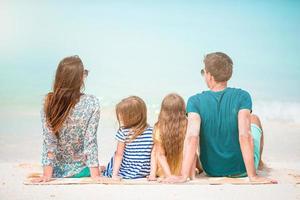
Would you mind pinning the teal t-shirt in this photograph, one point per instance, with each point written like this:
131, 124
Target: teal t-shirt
220, 151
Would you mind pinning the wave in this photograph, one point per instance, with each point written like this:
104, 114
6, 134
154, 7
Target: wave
275, 110
266, 110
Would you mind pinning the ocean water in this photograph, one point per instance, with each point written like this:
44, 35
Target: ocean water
149, 49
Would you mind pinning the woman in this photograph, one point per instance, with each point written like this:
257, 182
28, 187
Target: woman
70, 120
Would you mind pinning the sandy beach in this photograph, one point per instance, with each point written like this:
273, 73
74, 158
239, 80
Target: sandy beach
20, 155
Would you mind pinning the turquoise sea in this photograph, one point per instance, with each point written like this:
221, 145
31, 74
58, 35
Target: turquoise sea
149, 49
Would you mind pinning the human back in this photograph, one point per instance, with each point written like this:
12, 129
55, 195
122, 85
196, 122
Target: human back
219, 137
70, 120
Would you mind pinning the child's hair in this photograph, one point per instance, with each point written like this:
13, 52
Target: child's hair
172, 125
132, 111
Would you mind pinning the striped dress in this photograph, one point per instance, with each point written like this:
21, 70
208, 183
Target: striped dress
136, 156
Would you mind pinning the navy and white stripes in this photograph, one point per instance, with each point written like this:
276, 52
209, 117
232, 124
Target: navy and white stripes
136, 157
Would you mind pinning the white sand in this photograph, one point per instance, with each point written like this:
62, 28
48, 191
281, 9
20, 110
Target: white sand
282, 151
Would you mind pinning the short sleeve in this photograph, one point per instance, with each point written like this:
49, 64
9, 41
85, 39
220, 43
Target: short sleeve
121, 136
245, 101
193, 105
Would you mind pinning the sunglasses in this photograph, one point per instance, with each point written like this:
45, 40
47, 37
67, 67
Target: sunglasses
202, 72
86, 72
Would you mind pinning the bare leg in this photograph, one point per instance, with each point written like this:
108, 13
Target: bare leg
255, 120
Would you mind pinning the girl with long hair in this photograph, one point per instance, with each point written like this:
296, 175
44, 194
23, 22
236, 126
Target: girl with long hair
168, 135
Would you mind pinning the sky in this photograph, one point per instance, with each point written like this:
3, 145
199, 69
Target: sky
148, 48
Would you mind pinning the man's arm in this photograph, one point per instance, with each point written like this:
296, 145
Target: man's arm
247, 146
246, 141
191, 143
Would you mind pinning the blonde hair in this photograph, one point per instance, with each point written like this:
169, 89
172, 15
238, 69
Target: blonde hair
132, 111
172, 124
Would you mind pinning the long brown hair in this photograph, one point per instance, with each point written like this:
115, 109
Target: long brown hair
172, 125
66, 92
132, 112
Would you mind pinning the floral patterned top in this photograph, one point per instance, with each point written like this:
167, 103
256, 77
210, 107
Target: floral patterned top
75, 147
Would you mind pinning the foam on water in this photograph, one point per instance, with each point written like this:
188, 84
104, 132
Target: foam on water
272, 110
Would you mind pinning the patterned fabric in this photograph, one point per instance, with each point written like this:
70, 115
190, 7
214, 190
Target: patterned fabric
76, 145
136, 157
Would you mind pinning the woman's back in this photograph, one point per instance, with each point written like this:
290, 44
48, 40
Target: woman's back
75, 146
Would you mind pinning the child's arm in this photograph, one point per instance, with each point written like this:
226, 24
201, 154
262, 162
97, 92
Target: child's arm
152, 176
161, 157
118, 159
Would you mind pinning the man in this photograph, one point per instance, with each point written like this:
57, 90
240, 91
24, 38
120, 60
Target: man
220, 121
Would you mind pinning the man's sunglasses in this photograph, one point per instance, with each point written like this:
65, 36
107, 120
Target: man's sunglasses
202, 72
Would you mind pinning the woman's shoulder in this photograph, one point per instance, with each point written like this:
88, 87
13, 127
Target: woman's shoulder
90, 99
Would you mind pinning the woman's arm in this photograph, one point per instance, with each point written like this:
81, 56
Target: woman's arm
94, 172
90, 143
118, 159
48, 152
47, 175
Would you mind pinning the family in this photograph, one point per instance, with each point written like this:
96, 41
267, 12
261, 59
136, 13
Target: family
214, 133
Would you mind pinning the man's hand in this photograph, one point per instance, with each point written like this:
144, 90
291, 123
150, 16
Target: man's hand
260, 179
174, 179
